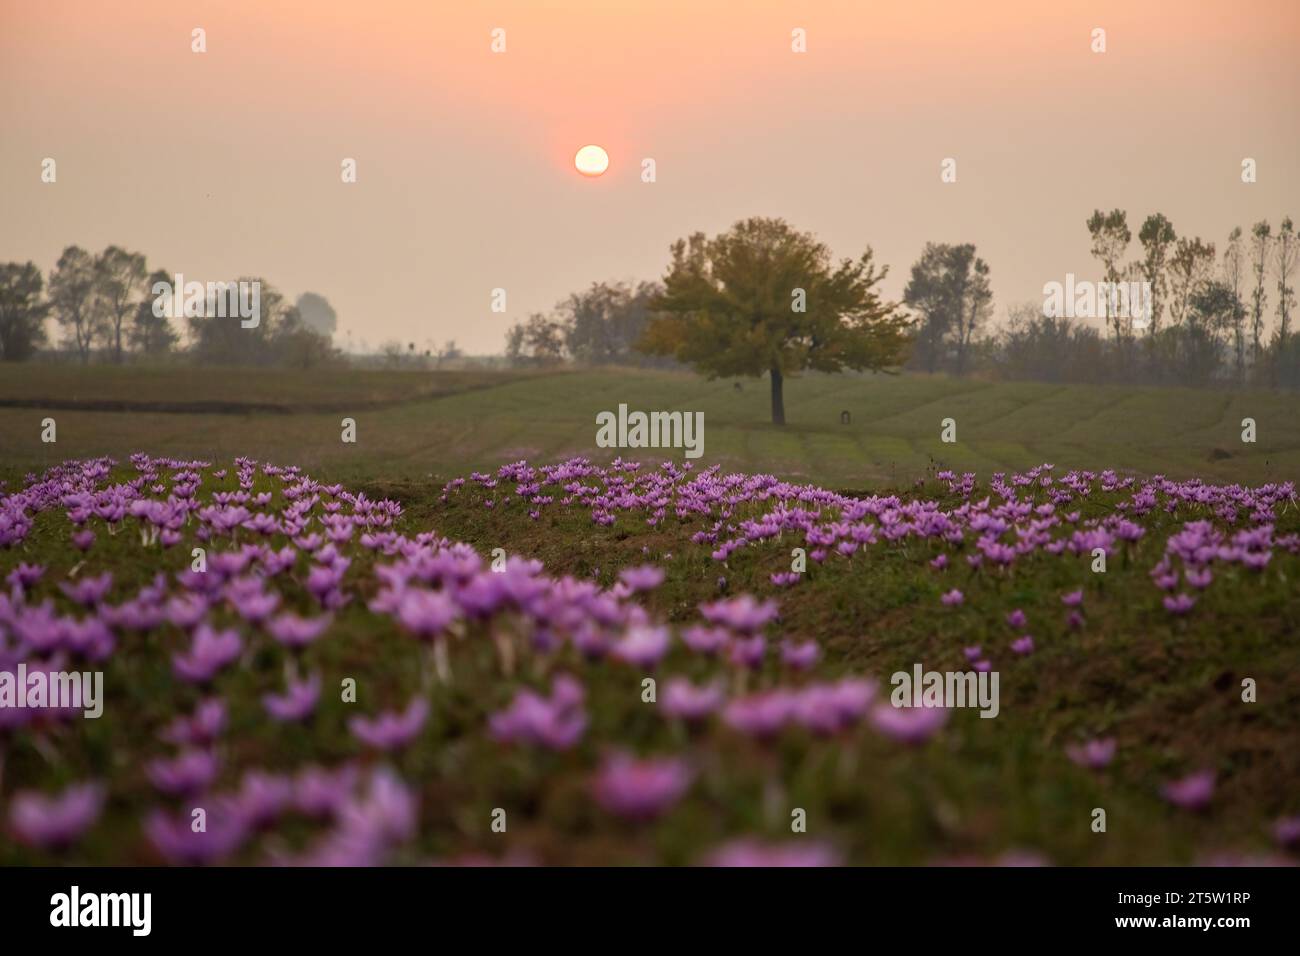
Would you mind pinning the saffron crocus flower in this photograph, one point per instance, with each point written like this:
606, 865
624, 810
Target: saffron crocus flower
1179, 604
1073, 599
557, 722
1286, 832
751, 853
175, 838
391, 731
426, 614
298, 702
743, 613
296, 632
188, 773
1074, 621
748, 651
1192, 792
201, 729
800, 656
645, 577
83, 539
88, 592
692, 704
640, 789
25, 575
940, 562
1093, 754
706, 640
760, 715
643, 646
320, 793
1023, 645
953, 598
972, 653
262, 797
210, 651
908, 725
55, 822
1016, 619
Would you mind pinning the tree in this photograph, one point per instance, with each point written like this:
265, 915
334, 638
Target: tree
1284, 258
153, 334
949, 288
1190, 267
1157, 236
1232, 273
72, 297
1261, 236
317, 314
604, 323
280, 337
119, 276
764, 297
22, 311
1110, 238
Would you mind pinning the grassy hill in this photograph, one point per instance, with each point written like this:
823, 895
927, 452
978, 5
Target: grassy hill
414, 424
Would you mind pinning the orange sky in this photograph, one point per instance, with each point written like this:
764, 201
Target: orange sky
227, 163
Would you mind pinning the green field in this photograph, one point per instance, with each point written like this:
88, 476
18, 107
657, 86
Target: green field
415, 424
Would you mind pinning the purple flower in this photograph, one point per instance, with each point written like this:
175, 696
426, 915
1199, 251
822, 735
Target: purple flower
1286, 832
640, 789
760, 715
1073, 599
1093, 754
210, 651
294, 631
743, 613
751, 853
262, 797
88, 592
426, 614
1179, 603
1192, 792
953, 598
297, 702
972, 653
557, 722
83, 539
908, 725
200, 730
642, 646
175, 838
645, 577
801, 656
1016, 619
391, 731
940, 562
1023, 645
188, 773
55, 822
690, 703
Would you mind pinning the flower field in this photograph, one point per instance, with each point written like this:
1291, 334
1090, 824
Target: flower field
628, 663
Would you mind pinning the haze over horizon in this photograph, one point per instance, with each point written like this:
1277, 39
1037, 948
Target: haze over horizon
227, 163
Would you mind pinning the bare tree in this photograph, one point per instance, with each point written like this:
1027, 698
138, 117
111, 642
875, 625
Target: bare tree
119, 276
1232, 272
1261, 235
72, 296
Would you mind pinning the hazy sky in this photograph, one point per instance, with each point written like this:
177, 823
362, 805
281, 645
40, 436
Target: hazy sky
228, 162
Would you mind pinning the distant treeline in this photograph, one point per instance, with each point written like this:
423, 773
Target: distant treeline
1211, 318
103, 307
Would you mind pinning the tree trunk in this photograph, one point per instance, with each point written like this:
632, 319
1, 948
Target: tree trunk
778, 397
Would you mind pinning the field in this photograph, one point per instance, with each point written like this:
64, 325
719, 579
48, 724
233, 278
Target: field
518, 692
413, 425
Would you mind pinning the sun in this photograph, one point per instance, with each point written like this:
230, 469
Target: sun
591, 160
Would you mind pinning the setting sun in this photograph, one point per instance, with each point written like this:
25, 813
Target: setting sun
591, 160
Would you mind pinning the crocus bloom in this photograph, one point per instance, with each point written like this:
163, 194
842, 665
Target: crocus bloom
190, 772
645, 577
643, 646
297, 702
953, 598
743, 613
1093, 754
683, 699
800, 656
1073, 599
751, 853
294, 631
1192, 792
58, 821
908, 725
1023, 645
1016, 619
391, 731
640, 789
210, 651
1179, 603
